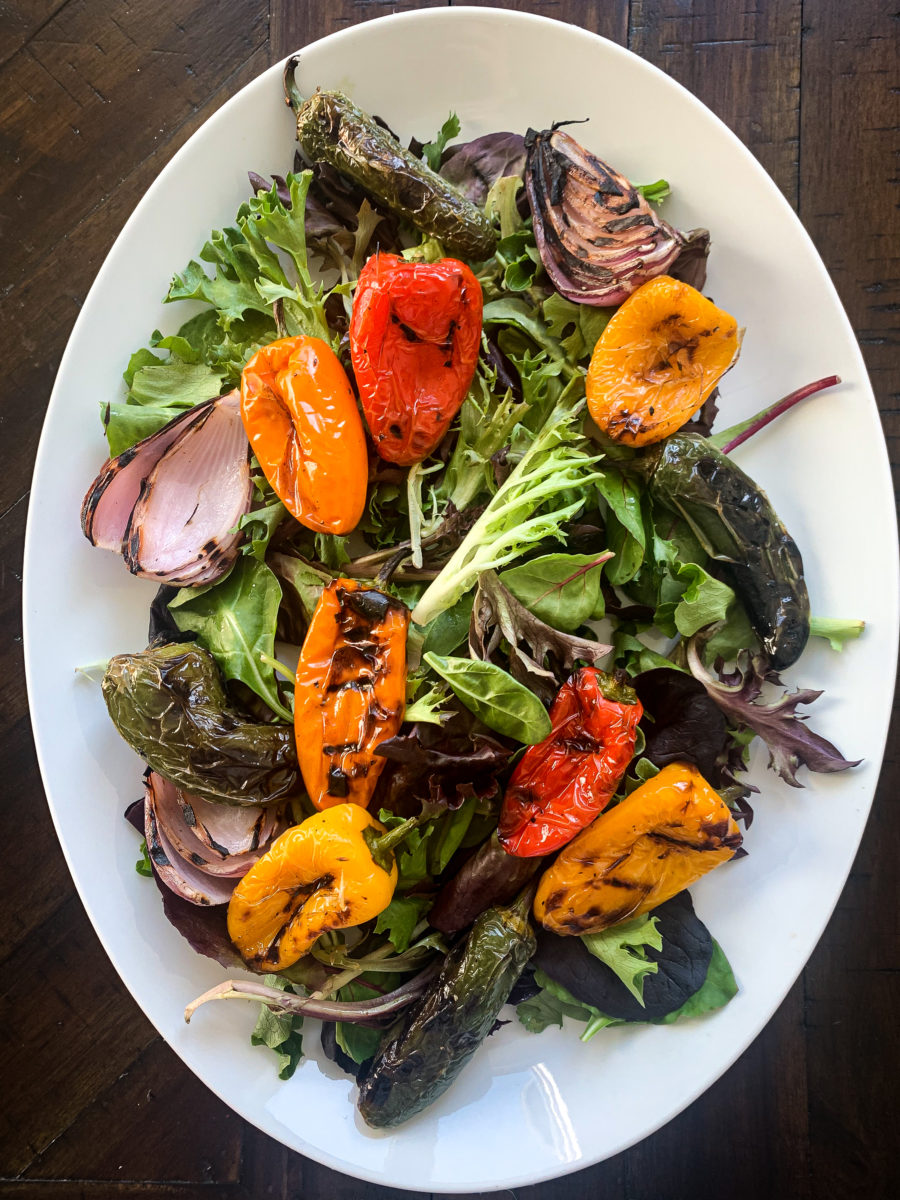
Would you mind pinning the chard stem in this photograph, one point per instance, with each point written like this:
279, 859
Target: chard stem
736, 435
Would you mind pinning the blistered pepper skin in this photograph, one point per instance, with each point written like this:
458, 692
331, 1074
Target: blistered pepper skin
301, 419
350, 691
318, 876
659, 840
414, 340
561, 784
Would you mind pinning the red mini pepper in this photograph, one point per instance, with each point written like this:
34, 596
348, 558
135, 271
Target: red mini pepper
414, 340
560, 785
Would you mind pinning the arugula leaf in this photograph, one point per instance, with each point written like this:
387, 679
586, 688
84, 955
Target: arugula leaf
432, 151
400, 918
429, 708
836, 630
235, 620
562, 589
621, 947
281, 1032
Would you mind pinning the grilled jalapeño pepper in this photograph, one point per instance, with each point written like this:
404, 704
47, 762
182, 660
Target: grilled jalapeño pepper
350, 691
329, 872
330, 128
414, 339
561, 784
740, 530
445, 1028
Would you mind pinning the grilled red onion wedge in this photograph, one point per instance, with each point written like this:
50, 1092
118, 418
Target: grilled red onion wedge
171, 504
184, 878
598, 237
229, 829
110, 500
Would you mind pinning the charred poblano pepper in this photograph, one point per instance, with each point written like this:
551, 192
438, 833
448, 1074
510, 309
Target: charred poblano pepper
452, 1019
740, 530
169, 705
332, 129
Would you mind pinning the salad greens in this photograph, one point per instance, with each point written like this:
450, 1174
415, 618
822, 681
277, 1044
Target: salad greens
517, 545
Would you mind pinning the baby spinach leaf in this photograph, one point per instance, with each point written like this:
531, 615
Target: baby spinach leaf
718, 988
562, 589
304, 580
625, 532
494, 697
235, 620
259, 526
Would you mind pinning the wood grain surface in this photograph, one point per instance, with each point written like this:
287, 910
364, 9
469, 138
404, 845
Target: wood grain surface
95, 97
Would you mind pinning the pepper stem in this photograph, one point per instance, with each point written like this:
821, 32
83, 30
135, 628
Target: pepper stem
730, 439
381, 846
293, 97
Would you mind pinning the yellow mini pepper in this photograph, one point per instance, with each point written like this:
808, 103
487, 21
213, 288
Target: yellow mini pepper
656, 842
319, 875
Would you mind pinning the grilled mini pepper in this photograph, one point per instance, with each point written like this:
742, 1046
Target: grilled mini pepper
330, 128
656, 842
319, 875
740, 530
350, 691
563, 782
414, 339
303, 425
446, 1027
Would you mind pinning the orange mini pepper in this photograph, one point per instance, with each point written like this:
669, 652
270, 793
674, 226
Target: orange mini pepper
301, 419
350, 691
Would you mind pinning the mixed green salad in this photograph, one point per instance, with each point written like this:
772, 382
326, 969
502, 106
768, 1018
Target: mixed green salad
442, 435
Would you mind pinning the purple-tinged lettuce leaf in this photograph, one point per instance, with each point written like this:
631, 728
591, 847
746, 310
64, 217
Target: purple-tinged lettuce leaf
790, 740
474, 167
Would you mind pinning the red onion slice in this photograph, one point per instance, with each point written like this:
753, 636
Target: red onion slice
111, 498
598, 237
183, 527
181, 876
228, 829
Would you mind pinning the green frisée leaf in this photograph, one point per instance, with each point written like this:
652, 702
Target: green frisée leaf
543, 492
494, 697
562, 589
621, 947
835, 630
235, 620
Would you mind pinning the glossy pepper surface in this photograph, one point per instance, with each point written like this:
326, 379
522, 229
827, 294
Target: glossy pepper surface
445, 1028
301, 419
560, 785
350, 691
319, 875
668, 833
414, 339
739, 529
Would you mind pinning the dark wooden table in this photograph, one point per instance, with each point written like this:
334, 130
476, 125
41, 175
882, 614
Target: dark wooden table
95, 97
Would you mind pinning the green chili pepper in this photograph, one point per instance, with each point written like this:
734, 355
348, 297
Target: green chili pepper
449, 1023
332, 129
740, 530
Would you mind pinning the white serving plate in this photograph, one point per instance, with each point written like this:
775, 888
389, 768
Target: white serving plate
528, 1107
